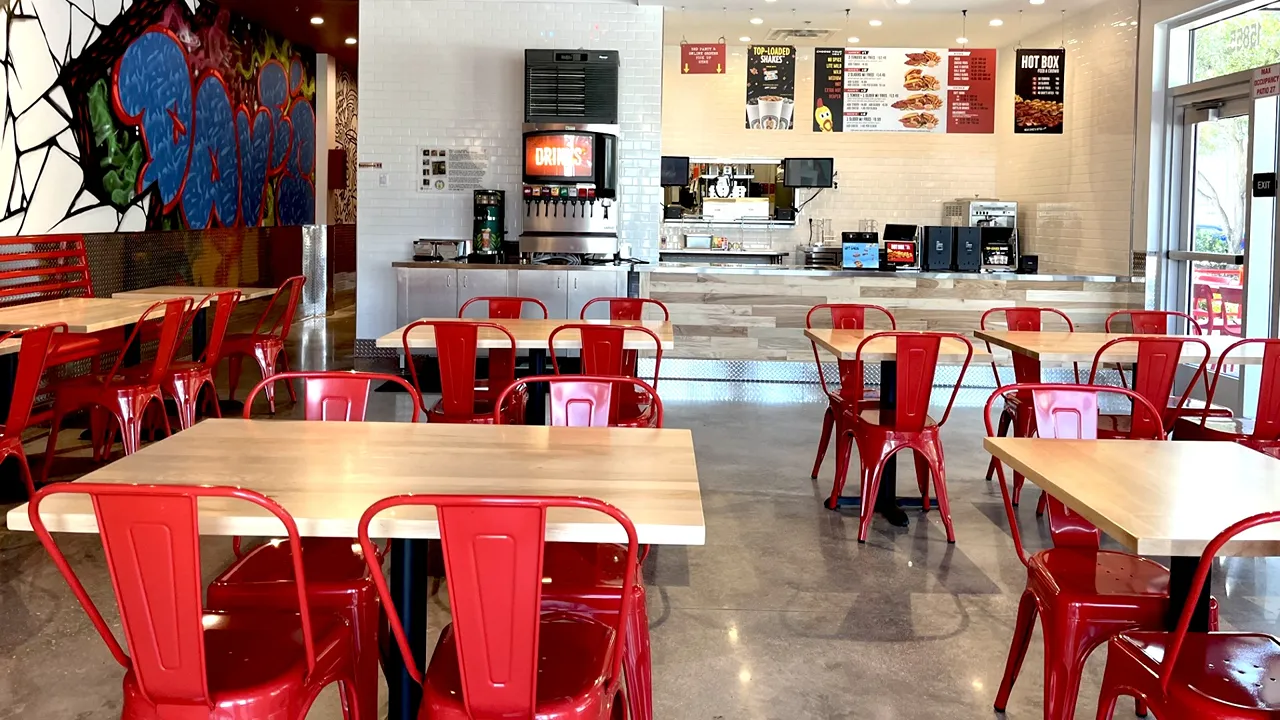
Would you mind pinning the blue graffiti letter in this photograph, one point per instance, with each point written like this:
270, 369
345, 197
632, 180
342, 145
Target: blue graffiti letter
213, 184
254, 138
297, 195
153, 91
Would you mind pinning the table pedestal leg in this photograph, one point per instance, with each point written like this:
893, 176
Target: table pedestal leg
11, 487
1182, 571
887, 501
409, 592
535, 412
199, 334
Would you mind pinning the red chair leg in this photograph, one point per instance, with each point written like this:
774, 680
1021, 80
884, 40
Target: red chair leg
283, 361
186, 392
101, 433
266, 357
1022, 427
51, 446
1022, 632
24, 470
869, 495
235, 364
937, 466
1001, 431
1066, 647
1110, 694
844, 453
637, 661
1042, 505
828, 422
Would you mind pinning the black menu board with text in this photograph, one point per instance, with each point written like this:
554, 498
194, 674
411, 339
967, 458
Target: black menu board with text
1040, 87
828, 90
771, 87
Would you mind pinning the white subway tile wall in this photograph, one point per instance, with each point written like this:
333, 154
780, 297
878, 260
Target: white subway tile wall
1076, 190
449, 74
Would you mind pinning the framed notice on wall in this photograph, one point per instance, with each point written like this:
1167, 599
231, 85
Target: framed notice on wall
1040, 88
904, 90
771, 87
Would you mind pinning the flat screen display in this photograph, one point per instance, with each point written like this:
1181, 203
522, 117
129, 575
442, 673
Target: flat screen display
900, 252
567, 157
808, 172
900, 232
675, 171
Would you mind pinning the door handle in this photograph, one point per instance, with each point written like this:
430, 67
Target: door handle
464, 281
448, 281
557, 283
575, 283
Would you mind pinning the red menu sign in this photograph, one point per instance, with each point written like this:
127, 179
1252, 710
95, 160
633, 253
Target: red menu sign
971, 91
705, 59
567, 156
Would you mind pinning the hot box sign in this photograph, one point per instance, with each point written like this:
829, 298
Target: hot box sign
560, 155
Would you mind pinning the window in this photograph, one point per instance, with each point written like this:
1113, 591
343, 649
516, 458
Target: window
1242, 42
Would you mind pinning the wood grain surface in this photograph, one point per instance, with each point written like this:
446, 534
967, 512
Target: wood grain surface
1083, 346
534, 334
82, 315
168, 291
844, 345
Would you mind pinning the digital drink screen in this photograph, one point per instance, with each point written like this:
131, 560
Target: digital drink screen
900, 253
567, 157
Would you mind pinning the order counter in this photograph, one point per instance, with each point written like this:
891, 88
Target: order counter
758, 312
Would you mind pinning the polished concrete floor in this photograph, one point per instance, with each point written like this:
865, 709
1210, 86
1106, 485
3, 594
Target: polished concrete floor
781, 615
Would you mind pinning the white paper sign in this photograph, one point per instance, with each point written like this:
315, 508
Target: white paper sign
444, 170
1266, 82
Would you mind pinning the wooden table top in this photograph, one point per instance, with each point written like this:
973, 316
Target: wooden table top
327, 473
1082, 346
1155, 498
82, 315
844, 345
162, 292
533, 335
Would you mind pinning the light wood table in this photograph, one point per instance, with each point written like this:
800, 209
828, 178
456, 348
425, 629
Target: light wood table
82, 315
327, 473
169, 291
1068, 347
1157, 498
844, 345
532, 334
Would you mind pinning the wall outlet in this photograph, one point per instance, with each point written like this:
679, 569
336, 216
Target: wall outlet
384, 180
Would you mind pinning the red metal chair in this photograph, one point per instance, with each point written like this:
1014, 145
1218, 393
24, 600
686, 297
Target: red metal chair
621, 308
1083, 594
879, 438
577, 400
124, 394
1157, 368
339, 579
1017, 415
1156, 322
187, 662
186, 379
585, 577
851, 395
505, 655
266, 343
334, 394
32, 355
604, 353
502, 363
1262, 431
456, 345
505, 308
1196, 676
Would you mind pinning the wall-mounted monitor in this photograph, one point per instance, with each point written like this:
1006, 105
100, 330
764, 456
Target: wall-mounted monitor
808, 172
675, 171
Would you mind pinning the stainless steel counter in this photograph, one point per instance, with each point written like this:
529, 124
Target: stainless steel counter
480, 267
744, 269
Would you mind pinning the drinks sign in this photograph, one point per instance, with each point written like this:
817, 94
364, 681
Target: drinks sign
702, 59
1040, 87
771, 87
568, 156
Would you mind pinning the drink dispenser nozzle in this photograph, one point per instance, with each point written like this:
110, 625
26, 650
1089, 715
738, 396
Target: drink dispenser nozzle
528, 199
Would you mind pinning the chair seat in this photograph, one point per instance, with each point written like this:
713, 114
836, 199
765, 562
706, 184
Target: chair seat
574, 653
1232, 669
871, 416
583, 576
1215, 428
483, 409
1195, 408
256, 660
324, 560
70, 347
1086, 572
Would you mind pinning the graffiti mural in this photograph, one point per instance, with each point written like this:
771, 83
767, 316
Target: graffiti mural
347, 131
162, 115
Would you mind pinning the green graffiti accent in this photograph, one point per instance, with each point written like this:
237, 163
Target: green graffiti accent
120, 150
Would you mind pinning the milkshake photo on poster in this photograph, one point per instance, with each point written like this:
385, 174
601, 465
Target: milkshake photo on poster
771, 87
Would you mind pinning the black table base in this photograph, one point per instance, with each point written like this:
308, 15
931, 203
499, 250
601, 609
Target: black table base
409, 583
1182, 571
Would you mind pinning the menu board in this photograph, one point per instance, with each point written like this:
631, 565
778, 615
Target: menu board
771, 87
1040, 86
904, 90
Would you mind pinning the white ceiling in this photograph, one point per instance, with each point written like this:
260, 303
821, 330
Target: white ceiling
923, 23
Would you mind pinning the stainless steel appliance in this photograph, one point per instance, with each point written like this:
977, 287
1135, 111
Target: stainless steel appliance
988, 213
999, 249
570, 150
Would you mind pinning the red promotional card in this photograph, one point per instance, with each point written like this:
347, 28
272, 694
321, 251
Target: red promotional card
704, 59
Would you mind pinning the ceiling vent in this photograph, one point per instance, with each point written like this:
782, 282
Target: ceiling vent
781, 35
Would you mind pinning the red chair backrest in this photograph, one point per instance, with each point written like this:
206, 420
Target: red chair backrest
917, 362
845, 316
1158, 362
224, 304
1152, 322
1067, 412
1023, 319
172, 323
621, 308
582, 400
603, 348
32, 356
1266, 416
44, 267
150, 536
1170, 660
456, 345
493, 548
505, 308
329, 395
289, 292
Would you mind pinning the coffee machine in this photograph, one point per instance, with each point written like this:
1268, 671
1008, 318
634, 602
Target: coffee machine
489, 225
570, 189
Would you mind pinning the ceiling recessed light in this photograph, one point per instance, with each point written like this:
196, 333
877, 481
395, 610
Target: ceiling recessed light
757, 21
962, 40
875, 23
904, 2
317, 20
350, 41
855, 39
770, 1
996, 22
744, 38
1037, 2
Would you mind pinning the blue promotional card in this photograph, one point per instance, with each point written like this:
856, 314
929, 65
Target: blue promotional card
862, 256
